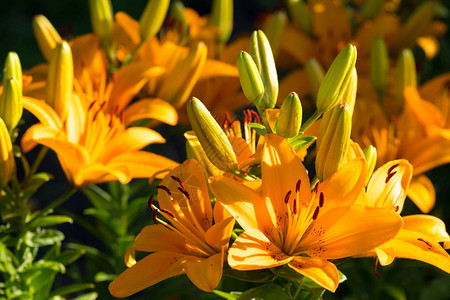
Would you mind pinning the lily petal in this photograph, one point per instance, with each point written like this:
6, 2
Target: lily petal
205, 273
44, 112
219, 234
157, 237
151, 108
432, 227
421, 192
321, 271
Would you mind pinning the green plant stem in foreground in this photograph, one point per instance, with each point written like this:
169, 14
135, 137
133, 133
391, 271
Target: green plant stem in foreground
55, 203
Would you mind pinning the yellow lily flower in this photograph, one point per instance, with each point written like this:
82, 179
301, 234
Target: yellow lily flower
187, 242
93, 146
286, 223
420, 235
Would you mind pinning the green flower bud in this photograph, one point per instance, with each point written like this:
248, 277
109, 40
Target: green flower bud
379, 65
406, 75
370, 153
334, 142
177, 14
7, 163
194, 150
11, 107
152, 18
274, 30
222, 18
12, 69
211, 136
262, 56
46, 35
349, 95
290, 119
101, 19
300, 15
60, 79
315, 75
371, 8
249, 77
336, 79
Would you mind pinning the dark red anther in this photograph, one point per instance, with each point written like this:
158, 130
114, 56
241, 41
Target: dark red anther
396, 208
179, 181
375, 267
427, 243
164, 188
390, 176
91, 105
286, 198
321, 199
297, 186
255, 116
95, 115
167, 212
392, 168
155, 216
247, 119
295, 206
316, 187
185, 193
150, 202
316, 213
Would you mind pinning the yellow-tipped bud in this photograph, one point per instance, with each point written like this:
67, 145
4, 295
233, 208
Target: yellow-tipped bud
370, 153
180, 80
274, 28
379, 65
7, 163
406, 75
12, 68
300, 15
336, 79
11, 107
152, 18
222, 18
315, 75
334, 142
194, 150
211, 137
371, 8
46, 35
101, 19
60, 79
262, 56
251, 81
290, 119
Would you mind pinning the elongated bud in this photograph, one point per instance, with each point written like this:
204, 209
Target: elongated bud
370, 153
249, 77
181, 79
349, 95
300, 15
46, 36
7, 163
11, 107
406, 75
334, 142
60, 79
101, 19
211, 136
12, 68
336, 79
152, 18
315, 75
262, 56
371, 8
274, 28
290, 119
194, 150
379, 65
177, 14
222, 18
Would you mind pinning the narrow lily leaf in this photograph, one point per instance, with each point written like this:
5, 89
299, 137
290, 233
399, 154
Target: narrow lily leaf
72, 288
259, 128
270, 291
228, 296
299, 141
98, 197
43, 237
50, 221
88, 296
69, 256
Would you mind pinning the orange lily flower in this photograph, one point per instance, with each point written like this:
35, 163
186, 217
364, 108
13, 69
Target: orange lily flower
93, 146
420, 235
187, 242
286, 223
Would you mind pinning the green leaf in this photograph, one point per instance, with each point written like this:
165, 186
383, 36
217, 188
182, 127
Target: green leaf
102, 276
35, 182
98, 197
299, 141
228, 296
259, 128
43, 237
270, 291
250, 276
50, 221
72, 288
105, 218
69, 256
88, 296
8, 261
136, 207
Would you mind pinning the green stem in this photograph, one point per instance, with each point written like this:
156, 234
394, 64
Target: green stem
262, 114
55, 203
311, 120
297, 291
37, 162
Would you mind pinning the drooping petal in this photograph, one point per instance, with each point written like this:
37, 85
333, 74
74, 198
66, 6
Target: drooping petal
219, 234
321, 271
253, 251
151, 108
35, 133
44, 112
421, 192
432, 227
97, 172
205, 273
154, 238
146, 272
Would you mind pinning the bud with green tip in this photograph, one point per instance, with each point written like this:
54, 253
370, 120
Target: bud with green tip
46, 36
262, 56
334, 142
379, 65
12, 68
300, 15
406, 75
222, 18
7, 163
290, 119
211, 136
11, 107
249, 77
315, 75
101, 19
152, 18
336, 79
370, 153
60, 79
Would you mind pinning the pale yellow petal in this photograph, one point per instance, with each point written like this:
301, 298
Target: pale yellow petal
41, 110
151, 108
421, 192
432, 227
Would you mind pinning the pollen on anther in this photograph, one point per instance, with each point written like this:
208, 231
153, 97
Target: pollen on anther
164, 188
168, 212
297, 186
392, 168
390, 176
179, 181
286, 198
185, 193
150, 202
321, 199
295, 206
316, 213
316, 188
